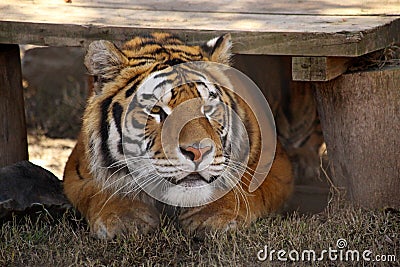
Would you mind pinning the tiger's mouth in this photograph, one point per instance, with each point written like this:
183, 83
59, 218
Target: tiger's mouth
195, 180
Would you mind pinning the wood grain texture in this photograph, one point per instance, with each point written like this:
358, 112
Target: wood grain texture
309, 7
13, 141
360, 116
318, 68
62, 24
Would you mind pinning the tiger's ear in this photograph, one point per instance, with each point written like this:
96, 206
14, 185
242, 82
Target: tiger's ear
219, 49
104, 61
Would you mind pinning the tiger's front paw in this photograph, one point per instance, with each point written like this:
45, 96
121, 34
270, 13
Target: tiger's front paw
139, 220
201, 220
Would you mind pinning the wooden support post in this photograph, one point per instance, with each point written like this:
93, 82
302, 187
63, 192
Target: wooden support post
360, 116
13, 141
318, 69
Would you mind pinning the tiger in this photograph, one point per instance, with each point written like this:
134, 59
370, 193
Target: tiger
97, 179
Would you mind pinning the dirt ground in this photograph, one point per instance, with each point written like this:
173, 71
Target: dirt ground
50, 153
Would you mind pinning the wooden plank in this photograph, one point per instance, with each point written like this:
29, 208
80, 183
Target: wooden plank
13, 141
360, 117
20, 10
318, 68
63, 24
288, 7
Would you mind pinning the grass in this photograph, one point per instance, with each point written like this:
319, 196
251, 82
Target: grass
66, 241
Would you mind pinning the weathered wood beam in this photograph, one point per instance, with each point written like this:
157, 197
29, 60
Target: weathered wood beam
322, 7
59, 24
318, 69
13, 141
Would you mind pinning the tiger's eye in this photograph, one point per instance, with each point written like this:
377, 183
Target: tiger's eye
156, 110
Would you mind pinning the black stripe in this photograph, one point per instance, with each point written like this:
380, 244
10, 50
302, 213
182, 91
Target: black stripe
132, 79
233, 107
218, 88
212, 95
172, 40
91, 144
196, 73
190, 58
148, 96
197, 83
78, 171
135, 123
139, 63
104, 130
164, 74
174, 61
217, 44
232, 103
159, 51
140, 57
129, 140
161, 67
164, 82
149, 42
184, 52
150, 144
305, 140
135, 79
131, 90
117, 114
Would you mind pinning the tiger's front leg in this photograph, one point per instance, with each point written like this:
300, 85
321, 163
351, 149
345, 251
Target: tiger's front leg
224, 214
108, 215
237, 209
122, 216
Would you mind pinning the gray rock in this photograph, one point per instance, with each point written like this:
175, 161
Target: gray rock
24, 186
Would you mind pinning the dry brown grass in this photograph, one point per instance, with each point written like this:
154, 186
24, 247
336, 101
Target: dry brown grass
387, 57
65, 241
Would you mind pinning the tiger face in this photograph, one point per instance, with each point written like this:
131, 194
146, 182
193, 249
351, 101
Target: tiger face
157, 124
182, 142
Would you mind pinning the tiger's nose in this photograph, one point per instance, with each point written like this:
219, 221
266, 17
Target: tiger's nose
195, 153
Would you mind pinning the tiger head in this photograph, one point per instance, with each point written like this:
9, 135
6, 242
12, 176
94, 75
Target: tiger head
155, 115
